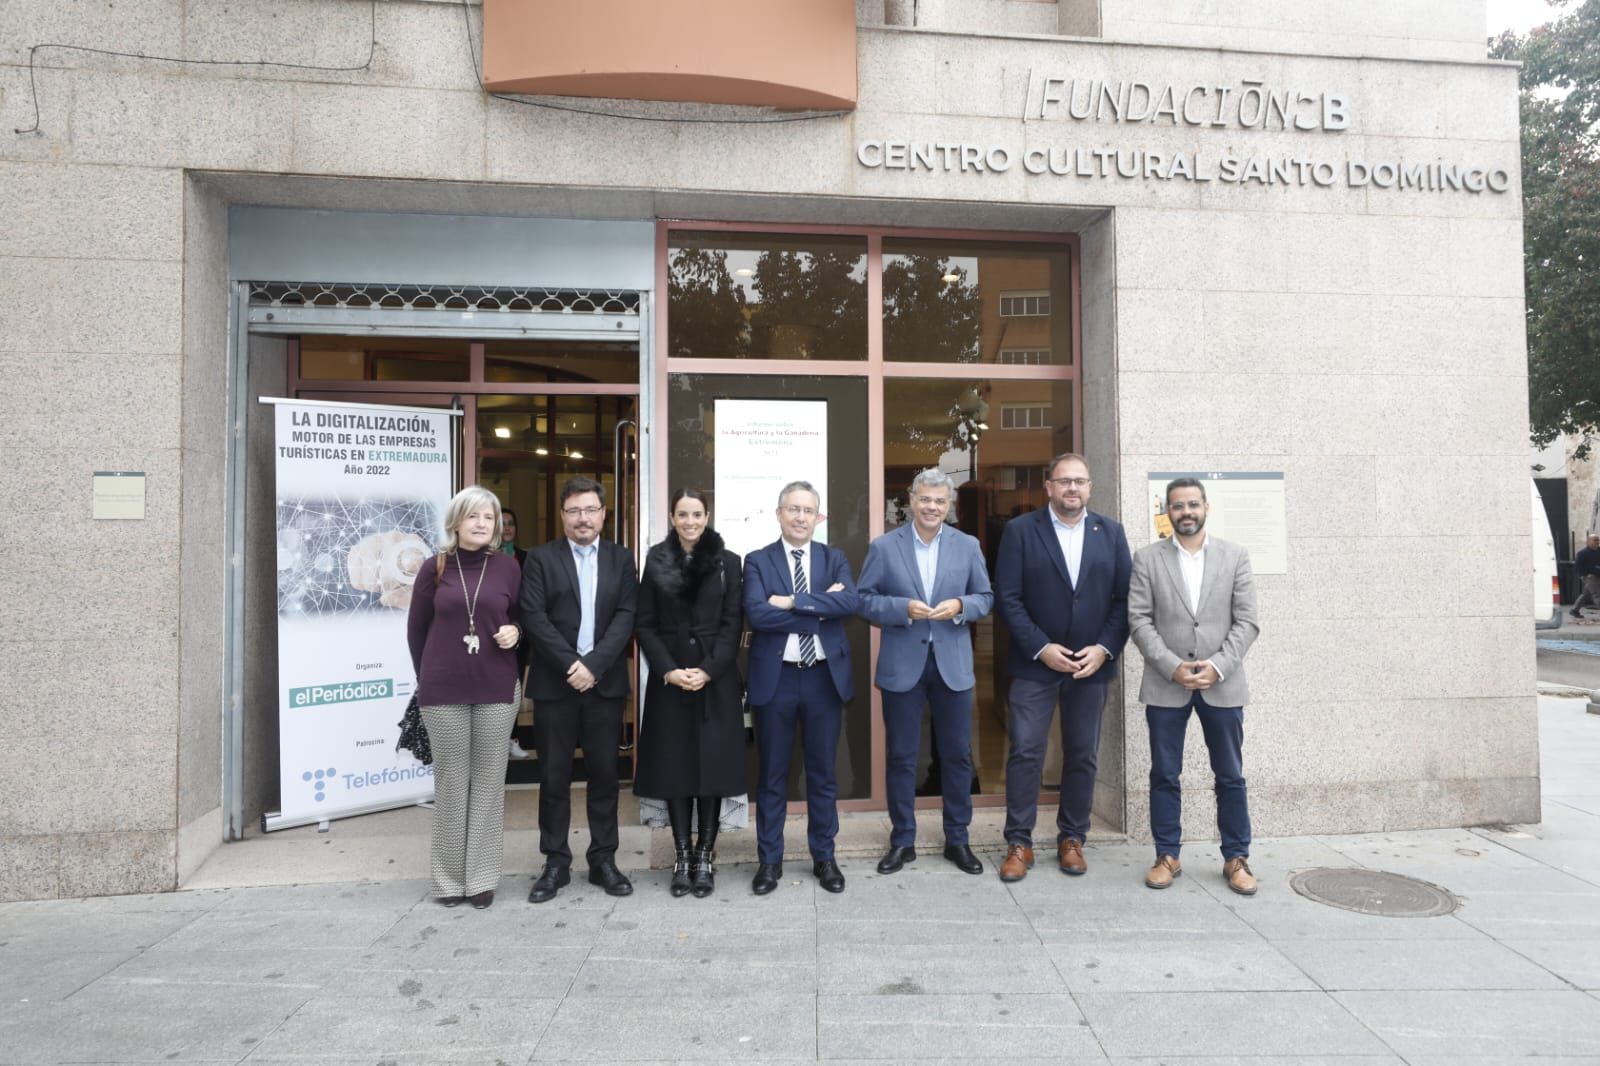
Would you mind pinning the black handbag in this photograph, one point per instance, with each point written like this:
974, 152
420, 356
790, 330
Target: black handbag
414, 734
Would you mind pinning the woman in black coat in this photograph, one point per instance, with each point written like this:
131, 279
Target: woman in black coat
691, 743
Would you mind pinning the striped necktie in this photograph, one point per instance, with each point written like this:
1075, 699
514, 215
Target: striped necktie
808, 643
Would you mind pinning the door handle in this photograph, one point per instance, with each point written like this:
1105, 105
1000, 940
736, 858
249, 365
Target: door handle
618, 464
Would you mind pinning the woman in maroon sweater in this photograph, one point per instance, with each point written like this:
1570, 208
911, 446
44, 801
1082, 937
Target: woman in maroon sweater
463, 646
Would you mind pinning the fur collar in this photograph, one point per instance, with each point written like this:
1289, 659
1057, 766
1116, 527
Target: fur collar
682, 575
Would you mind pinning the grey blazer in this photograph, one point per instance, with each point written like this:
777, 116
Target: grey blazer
1167, 632
890, 580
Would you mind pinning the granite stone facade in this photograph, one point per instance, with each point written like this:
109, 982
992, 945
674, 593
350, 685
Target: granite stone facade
1363, 338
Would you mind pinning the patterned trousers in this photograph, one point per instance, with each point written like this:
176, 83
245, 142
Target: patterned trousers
469, 793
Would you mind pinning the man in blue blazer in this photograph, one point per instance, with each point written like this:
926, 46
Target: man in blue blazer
799, 679
924, 583
1061, 581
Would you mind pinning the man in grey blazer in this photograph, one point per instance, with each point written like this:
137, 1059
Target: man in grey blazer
1192, 613
923, 584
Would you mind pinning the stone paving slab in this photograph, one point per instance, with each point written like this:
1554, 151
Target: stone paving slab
369, 1030
1164, 965
1575, 961
1227, 1023
767, 1026
918, 1026
937, 969
1508, 1024
1435, 965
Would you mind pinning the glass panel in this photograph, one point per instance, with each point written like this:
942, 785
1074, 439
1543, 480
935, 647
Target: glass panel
691, 460
561, 361
529, 445
956, 426
976, 302
383, 359
766, 296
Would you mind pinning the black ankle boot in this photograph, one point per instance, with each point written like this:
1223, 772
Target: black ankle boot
680, 871
703, 877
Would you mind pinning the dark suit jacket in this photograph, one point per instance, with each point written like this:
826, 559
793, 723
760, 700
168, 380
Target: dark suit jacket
551, 612
1036, 599
768, 572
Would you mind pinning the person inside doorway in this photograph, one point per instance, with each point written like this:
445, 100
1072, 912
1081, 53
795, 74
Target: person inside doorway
508, 544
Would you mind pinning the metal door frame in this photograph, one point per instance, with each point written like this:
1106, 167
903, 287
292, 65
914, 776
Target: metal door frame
399, 310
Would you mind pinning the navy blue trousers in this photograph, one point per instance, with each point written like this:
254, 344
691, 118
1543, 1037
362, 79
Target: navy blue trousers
952, 731
1224, 731
1030, 706
806, 701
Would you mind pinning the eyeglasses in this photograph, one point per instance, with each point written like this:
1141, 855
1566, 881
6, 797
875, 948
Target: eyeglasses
931, 501
795, 511
583, 512
1069, 482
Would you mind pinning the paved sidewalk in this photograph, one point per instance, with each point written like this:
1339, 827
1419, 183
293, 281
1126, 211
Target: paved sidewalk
929, 964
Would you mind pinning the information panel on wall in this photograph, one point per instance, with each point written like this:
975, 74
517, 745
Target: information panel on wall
762, 445
1248, 508
361, 491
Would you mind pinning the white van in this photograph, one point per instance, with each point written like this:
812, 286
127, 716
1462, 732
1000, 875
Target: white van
1546, 584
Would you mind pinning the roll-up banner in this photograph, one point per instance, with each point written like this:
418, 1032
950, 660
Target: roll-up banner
361, 491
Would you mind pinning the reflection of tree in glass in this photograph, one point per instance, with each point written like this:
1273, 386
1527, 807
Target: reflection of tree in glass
812, 306
928, 319
706, 307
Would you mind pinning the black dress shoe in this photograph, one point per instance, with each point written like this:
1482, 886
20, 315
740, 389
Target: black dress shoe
961, 855
828, 875
482, 900
608, 877
768, 874
551, 879
895, 858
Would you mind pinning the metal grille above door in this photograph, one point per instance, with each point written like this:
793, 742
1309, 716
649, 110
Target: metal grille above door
461, 310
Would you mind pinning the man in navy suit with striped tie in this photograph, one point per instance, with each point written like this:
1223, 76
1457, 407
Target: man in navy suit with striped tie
799, 679
1061, 586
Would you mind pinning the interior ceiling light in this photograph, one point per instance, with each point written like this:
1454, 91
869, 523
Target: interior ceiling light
577, 455
541, 451
503, 432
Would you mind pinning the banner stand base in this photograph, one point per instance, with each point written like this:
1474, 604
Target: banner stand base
274, 820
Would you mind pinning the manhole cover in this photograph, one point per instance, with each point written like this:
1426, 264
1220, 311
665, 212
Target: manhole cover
1374, 892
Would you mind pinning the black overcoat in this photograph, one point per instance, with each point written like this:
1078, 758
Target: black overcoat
691, 743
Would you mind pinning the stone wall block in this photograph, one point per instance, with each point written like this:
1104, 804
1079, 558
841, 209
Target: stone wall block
1354, 576
90, 306
895, 71
384, 132
154, 27
136, 670
92, 781
1449, 335
30, 867
987, 16
72, 212
535, 144
1243, 413
1486, 257
810, 156
1314, 335
202, 626
105, 864
1414, 492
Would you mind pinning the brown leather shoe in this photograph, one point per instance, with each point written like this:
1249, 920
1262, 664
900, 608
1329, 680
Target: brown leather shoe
1071, 853
1162, 873
1237, 873
1019, 860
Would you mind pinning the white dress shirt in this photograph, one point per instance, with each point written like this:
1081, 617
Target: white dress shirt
1192, 565
791, 649
1070, 537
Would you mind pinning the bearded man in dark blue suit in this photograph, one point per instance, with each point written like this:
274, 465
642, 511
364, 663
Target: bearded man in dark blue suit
1061, 586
